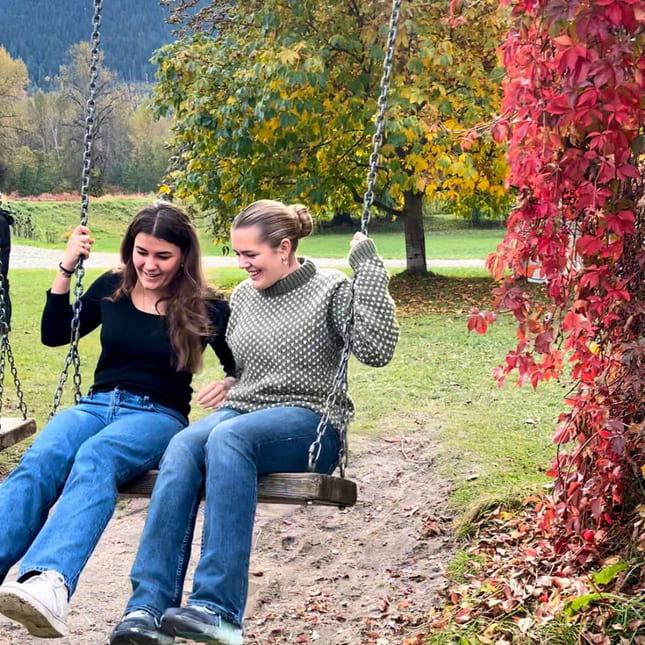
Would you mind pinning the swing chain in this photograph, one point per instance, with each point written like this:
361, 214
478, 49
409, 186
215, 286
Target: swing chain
90, 111
2, 363
6, 348
377, 138
337, 396
5, 337
5, 351
73, 357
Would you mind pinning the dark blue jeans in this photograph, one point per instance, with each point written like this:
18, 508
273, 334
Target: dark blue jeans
223, 453
80, 458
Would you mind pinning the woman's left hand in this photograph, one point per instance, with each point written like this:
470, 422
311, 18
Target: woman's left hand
212, 395
358, 237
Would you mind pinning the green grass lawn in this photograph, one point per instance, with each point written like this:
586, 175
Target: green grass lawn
440, 245
446, 237
492, 441
493, 444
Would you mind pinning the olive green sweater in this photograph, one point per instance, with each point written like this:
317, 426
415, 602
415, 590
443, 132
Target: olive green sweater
287, 339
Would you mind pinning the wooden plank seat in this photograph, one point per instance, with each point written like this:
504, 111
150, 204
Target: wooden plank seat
15, 429
277, 488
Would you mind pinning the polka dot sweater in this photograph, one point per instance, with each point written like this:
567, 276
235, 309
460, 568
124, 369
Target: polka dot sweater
287, 339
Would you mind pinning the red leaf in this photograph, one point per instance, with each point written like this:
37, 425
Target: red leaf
479, 320
559, 104
589, 245
500, 131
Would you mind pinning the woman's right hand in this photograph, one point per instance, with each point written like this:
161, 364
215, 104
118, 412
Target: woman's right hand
358, 237
79, 246
213, 394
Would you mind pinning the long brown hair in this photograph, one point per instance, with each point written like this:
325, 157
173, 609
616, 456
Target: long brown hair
186, 316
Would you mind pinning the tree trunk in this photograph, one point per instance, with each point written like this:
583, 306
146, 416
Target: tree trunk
415, 243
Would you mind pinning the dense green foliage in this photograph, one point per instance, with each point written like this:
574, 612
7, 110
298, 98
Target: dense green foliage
282, 104
41, 33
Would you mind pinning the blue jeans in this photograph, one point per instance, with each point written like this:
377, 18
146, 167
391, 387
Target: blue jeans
80, 458
222, 454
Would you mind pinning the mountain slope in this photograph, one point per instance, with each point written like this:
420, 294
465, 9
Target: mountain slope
41, 33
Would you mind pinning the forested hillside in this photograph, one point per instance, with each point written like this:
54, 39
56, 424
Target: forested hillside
40, 33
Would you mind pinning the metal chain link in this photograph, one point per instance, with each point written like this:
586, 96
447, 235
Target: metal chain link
337, 397
14, 373
2, 363
377, 137
6, 353
73, 357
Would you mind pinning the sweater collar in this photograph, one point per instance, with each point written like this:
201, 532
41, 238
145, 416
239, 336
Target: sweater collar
295, 279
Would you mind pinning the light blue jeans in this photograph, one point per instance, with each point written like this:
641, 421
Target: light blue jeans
80, 458
223, 454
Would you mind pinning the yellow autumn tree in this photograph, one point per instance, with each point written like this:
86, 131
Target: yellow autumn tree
281, 103
13, 85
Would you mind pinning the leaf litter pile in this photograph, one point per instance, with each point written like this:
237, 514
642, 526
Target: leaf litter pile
438, 294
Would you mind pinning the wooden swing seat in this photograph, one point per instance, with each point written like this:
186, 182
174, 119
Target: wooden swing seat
277, 488
15, 429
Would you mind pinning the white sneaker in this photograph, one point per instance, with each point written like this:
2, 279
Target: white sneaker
39, 603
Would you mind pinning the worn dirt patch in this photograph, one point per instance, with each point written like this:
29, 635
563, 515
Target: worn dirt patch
360, 576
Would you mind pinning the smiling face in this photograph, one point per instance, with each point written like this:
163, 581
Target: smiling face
155, 261
264, 264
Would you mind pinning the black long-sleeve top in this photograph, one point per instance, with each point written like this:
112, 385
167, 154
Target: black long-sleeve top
136, 353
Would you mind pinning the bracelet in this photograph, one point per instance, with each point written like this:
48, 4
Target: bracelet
64, 271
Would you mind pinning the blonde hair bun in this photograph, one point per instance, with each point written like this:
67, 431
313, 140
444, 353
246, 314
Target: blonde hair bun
304, 218
276, 221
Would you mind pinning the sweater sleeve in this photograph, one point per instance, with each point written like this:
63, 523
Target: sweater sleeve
219, 313
375, 331
56, 321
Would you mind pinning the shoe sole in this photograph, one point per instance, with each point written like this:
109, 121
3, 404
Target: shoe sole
140, 638
200, 637
186, 629
33, 616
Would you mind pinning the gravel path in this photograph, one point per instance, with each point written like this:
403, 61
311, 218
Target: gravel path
319, 576
32, 257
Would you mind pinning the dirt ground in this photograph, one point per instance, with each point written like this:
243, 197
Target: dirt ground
360, 576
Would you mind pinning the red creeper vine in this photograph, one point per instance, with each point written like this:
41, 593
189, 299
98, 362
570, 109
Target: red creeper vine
575, 96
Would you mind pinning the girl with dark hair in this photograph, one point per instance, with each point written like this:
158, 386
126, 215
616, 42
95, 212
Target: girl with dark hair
156, 317
286, 333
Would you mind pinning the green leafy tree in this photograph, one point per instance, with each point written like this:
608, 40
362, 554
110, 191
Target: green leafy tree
281, 103
33, 172
13, 85
147, 160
